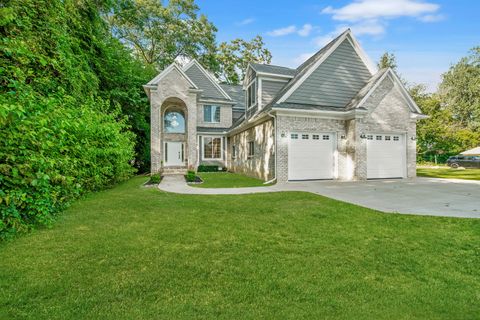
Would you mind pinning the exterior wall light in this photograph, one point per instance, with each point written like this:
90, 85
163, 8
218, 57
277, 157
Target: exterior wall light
413, 138
343, 137
363, 135
283, 135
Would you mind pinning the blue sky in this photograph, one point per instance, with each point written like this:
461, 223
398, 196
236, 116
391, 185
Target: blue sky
426, 36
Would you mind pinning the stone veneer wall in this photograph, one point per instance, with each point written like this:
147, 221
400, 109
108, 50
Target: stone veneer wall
225, 116
388, 113
261, 165
288, 124
172, 86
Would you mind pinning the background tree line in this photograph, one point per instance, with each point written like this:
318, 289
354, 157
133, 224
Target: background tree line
453, 125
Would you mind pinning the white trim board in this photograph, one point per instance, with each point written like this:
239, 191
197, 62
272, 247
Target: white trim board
166, 71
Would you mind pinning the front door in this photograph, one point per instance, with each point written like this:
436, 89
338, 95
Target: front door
173, 154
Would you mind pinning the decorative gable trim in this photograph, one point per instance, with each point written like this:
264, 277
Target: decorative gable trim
208, 75
173, 66
391, 74
347, 35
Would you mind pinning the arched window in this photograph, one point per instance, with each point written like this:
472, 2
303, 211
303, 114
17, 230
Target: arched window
174, 122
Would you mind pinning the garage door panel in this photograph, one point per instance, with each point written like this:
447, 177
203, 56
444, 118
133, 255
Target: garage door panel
310, 158
386, 156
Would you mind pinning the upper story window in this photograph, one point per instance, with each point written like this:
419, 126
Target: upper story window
174, 122
211, 113
251, 96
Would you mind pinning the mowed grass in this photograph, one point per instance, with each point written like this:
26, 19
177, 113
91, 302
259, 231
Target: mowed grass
449, 173
227, 180
138, 253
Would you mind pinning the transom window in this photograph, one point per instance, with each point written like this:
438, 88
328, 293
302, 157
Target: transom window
396, 138
251, 149
370, 137
387, 138
326, 137
251, 94
211, 113
378, 137
174, 122
315, 137
212, 147
294, 136
305, 136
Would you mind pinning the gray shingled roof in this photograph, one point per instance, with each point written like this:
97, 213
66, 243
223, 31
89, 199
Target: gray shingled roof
270, 68
236, 93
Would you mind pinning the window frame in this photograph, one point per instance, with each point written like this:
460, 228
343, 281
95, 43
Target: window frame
250, 149
212, 114
234, 151
248, 94
164, 127
204, 144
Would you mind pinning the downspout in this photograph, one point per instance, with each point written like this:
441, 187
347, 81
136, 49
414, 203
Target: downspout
274, 148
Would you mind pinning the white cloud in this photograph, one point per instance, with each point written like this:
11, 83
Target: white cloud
369, 27
282, 31
432, 18
360, 10
305, 31
245, 22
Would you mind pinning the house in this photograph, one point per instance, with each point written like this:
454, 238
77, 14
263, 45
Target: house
333, 117
472, 152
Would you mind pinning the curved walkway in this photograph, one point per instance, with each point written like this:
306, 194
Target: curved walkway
421, 196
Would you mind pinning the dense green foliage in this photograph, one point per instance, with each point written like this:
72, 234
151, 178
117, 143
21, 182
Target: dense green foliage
139, 253
66, 87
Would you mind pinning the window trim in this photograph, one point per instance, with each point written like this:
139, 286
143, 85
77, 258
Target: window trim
253, 82
250, 156
221, 147
212, 114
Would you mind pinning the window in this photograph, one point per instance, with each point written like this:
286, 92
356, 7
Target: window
212, 147
315, 137
251, 94
387, 138
294, 136
378, 137
326, 137
234, 152
305, 136
211, 113
174, 122
251, 149
396, 138
370, 137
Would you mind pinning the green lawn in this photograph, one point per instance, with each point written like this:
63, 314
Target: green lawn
139, 253
227, 180
469, 174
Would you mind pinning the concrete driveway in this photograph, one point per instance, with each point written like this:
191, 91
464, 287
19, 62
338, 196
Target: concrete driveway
420, 196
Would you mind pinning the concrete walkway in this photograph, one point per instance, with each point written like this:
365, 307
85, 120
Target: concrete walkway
420, 196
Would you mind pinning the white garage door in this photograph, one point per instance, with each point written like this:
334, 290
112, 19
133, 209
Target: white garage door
310, 156
386, 155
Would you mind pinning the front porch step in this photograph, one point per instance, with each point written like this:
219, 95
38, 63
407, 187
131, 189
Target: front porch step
174, 170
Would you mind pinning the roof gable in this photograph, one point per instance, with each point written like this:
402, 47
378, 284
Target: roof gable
362, 96
204, 81
165, 72
313, 63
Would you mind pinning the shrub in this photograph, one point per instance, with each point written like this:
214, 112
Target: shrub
191, 176
155, 178
208, 168
52, 150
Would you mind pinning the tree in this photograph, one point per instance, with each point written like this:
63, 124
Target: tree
158, 33
234, 57
387, 60
460, 90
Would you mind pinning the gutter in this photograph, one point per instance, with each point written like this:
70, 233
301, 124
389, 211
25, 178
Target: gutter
274, 148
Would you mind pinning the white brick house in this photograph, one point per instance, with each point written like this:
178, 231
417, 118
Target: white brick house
333, 117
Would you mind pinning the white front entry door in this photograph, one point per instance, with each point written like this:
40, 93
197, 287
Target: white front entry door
311, 156
386, 156
174, 154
